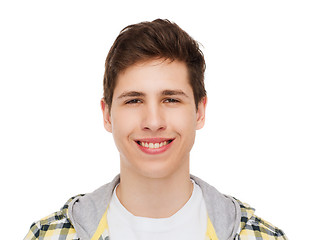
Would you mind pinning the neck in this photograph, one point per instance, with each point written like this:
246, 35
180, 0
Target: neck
154, 197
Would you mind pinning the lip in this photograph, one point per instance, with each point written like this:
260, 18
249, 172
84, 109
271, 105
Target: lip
154, 140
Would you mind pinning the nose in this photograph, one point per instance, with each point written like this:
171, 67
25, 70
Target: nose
153, 118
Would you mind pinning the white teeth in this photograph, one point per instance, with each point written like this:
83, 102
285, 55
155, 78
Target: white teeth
153, 145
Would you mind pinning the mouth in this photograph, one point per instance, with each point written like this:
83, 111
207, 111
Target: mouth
154, 145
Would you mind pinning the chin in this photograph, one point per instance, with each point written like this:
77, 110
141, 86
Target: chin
157, 170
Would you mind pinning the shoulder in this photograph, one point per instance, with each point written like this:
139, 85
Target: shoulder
55, 226
254, 227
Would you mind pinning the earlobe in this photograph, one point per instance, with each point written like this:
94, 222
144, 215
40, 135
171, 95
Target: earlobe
106, 115
201, 113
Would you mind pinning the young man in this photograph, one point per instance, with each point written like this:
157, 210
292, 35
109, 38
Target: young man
154, 101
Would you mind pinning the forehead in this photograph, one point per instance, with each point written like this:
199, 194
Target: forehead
154, 76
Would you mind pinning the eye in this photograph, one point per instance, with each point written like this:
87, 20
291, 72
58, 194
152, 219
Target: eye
133, 101
171, 100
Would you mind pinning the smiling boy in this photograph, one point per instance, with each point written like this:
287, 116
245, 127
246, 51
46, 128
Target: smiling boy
154, 101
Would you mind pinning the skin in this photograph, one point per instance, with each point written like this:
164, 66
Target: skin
154, 99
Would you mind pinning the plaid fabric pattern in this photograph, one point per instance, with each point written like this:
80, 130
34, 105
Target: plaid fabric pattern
57, 226
254, 228
53, 227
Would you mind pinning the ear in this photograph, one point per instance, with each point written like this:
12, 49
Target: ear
201, 113
106, 114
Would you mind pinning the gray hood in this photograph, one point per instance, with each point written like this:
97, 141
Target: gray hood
85, 212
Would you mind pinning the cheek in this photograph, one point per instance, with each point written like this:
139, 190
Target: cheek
183, 119
123, 123
185, 123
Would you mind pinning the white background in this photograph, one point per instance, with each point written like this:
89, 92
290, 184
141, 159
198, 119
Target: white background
256, 142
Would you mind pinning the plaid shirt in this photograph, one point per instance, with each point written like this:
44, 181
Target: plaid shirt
57, 226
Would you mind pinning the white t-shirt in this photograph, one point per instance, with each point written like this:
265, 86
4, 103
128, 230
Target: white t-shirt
189, 222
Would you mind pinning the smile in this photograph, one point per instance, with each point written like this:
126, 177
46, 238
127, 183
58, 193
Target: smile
154, 145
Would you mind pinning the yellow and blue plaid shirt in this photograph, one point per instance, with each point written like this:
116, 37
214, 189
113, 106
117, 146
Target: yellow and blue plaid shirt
58, 226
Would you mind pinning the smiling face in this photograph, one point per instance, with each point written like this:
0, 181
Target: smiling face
153, 118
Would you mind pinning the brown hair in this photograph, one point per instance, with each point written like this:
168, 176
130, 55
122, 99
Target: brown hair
157, 39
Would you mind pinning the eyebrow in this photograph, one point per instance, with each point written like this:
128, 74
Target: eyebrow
131, 94
163, 93
173, 93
